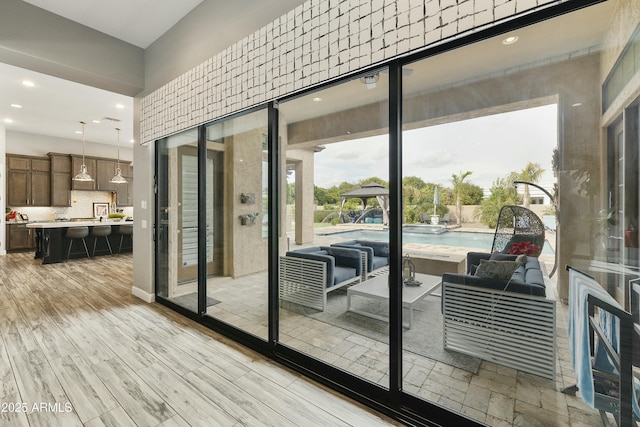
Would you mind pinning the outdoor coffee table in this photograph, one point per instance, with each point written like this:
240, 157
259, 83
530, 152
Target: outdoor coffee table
377, 288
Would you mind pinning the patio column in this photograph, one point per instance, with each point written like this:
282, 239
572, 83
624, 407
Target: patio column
304, 205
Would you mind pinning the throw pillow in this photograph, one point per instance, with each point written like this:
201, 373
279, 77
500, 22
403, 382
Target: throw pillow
498, 270
521, 259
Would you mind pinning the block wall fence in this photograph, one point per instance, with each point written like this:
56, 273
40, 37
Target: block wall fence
318, 41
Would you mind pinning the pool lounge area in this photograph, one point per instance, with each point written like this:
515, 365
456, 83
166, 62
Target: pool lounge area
416, 234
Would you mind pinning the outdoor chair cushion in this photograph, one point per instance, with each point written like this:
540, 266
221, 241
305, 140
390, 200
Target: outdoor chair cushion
377, 252
527, 279
342, 263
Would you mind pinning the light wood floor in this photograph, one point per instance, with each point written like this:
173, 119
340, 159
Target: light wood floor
76, 348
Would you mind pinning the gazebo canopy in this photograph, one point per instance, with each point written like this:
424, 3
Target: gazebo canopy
367, 191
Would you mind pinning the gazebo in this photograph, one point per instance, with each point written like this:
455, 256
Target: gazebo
366, 192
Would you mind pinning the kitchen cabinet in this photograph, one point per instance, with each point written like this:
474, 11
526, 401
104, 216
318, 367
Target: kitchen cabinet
124, 192
60, 179
90, 163
105, 170
28, 181
20, 238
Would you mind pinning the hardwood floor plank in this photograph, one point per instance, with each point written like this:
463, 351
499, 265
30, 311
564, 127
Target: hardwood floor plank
74, 334
88, 344
176, 421
115, 418
249, 411
18, 338
289, 405
196, 409
334, 404
141, 402
130, 352
52, 340
12, 417
8, 386
38, 386
88, 395
171, 355
220, 363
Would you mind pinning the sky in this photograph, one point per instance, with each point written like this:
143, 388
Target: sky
490, 147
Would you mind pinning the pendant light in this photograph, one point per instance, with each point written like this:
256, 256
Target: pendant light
83, 175
118, 178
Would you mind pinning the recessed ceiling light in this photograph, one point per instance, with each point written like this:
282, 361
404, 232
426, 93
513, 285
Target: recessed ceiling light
510, 40
28, 83
16, 105
577, 104
95, 121
8, 120
79, 132
132, 141
119, 106
317, 99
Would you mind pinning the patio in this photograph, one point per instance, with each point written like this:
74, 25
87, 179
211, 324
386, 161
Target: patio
493, 394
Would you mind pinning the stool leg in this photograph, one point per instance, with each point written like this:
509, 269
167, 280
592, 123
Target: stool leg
95, 241
85, 247
108, 245
69, 250
120, 247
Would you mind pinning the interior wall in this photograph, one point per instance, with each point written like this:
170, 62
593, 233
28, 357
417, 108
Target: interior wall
38, 40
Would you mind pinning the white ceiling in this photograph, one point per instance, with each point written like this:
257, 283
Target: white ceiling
54, 107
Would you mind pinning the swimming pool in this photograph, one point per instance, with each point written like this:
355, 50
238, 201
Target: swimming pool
465, 239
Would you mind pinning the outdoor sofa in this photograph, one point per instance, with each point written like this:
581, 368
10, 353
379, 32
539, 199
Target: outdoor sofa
308, 274
507, 320
377, 253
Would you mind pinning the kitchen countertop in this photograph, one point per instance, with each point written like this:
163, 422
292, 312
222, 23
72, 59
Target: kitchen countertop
68, 224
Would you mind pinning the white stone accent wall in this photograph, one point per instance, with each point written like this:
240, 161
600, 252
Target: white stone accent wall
317, 41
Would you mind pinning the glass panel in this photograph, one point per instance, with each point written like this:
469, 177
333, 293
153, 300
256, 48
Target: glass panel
177, 228
488, 128
334, 243
237, 252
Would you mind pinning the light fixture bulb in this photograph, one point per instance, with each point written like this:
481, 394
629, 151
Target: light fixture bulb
118, 178
370, 80
83, 175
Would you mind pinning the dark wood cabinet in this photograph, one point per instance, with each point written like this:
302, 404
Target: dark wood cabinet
106, 169
20, 238
28, 181
124, 192
76, 163
60, 179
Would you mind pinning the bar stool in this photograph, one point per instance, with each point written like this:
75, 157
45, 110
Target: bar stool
101, 231
77, 233
125, 230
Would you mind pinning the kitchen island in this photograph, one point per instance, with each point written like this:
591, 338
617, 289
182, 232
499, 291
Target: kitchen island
52, 245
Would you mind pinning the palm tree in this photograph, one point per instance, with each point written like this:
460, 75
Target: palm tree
532, 172
457, 181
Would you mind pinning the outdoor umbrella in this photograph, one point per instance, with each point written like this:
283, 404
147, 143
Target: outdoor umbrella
436, 199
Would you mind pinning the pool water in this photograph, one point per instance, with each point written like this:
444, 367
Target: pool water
464, 239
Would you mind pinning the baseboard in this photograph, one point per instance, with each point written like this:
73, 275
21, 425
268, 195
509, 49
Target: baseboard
144, 296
